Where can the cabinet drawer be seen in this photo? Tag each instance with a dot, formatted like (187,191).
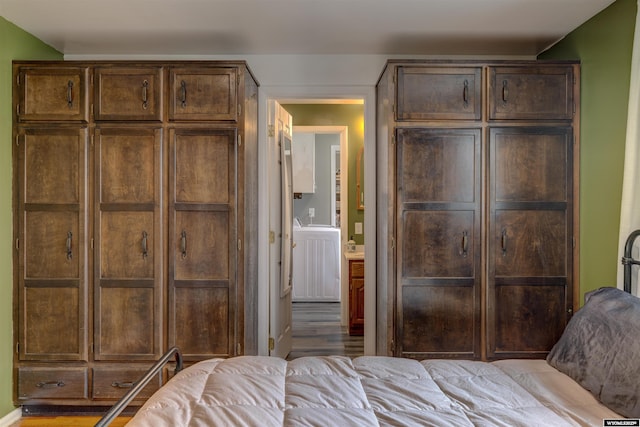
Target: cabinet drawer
(535,93)
(113,383)
(128,93)
(203,94)
(432,93)
(54,94)
(356,269)
(52,383)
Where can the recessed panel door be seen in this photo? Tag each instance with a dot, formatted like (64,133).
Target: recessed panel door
(438,247)
(203,244)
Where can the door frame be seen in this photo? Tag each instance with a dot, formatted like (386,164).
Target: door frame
(312,94)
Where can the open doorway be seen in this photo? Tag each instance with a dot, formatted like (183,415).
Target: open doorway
(320,308)
(287,95)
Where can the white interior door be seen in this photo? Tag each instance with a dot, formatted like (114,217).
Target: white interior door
(280,230)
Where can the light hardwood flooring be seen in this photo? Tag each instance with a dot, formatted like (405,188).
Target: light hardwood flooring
(317,332)
(66,421)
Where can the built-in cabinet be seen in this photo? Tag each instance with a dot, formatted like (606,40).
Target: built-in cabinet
(134,193)
(478,253)
(356,296)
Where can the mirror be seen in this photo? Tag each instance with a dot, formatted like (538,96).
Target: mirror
(360,180)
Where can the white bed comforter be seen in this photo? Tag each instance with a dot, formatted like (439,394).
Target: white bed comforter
(370,391)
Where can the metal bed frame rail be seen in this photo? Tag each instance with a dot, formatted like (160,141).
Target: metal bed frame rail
(116,409)
(628,261)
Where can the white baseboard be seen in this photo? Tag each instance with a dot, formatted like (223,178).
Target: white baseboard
(11,417)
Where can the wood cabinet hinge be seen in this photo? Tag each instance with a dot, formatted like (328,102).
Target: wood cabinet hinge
(18,79)
(17,244)
(18,110)
(92,243)
(393,242)
(91,138)
(271,130)
(272,237)
(238,349)
(17,140)
(239,109)
(239,140)
(239,245)
(573,242)
(393,140)
(272,344)
(18,347)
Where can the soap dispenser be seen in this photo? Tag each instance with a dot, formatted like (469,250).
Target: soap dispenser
(351,245)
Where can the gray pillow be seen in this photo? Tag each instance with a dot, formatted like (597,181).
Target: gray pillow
(600,349)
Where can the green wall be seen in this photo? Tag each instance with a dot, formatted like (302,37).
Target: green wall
(14,44)
(603,45)
(338,115)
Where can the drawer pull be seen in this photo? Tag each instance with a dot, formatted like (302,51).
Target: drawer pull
(50,384)
(183,93)
(503,242)
(505,91)
(70,93)
(125,384)
(145,251)
(465,93)
(183,244)
(145,85)
(465,243)
(69,245)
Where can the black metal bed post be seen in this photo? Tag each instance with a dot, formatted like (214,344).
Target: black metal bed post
(121,404)
(628,261)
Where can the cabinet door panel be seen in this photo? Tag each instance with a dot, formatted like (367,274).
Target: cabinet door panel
(201,249)
(438,244)
(52,165)
(200,325)
(440,321)
(530,239)
(128,93)
(436,165)
(204,167)
(538,309)
(125,321)
(203,255)
(127,245)
(531,164)
(431,93)
(128,257)
(128,173)
(540,92)
(53,94)
(203,93)
(530,243)
(52,325)
(438,240)
(52,277)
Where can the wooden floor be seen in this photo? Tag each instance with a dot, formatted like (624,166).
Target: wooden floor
(317,332)
(75,421)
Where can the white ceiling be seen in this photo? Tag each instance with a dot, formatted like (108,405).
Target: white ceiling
(253,27)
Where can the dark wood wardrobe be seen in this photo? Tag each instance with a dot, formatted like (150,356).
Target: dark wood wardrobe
(477,258)
(135,211)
